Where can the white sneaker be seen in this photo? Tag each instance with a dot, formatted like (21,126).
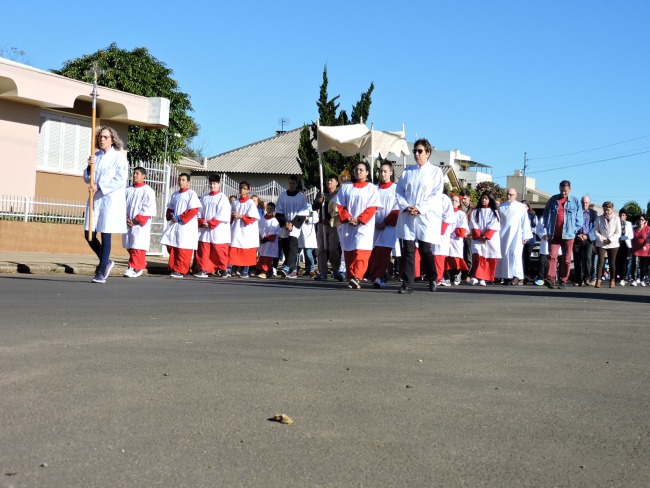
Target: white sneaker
(457,279)
(201,274)
(445,282)
(474,281)
(128,273)
(634,282)
(482,283)
(622,283)
(137,273)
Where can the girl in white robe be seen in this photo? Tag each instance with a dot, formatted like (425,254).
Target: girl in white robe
(385,238)
(440,251)
(455,262)
(486,245)
(244,231)
(357,203)
(269,240)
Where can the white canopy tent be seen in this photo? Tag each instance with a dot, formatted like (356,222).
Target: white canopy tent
(349,140)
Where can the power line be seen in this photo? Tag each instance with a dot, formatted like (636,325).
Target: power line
(588,150)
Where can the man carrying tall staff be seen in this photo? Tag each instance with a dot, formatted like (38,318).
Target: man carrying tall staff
(418,194)
(108,192)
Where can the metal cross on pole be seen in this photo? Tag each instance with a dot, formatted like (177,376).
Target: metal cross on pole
(95,71)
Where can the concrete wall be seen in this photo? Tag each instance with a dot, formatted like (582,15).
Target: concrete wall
(57,185)
(19,124)
(49,238)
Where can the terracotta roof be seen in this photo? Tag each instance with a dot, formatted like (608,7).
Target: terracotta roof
(275,155)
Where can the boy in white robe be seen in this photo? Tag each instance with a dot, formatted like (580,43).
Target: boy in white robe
(441,250)
(486,245)
(455,262)
(182,235)
(291,209)
(307,243)
(244,232)
(214,231)
(385,221)
(140,208)
(269,242)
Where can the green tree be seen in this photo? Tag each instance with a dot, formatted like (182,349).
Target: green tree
(333,162)
(633,210)
(140,73)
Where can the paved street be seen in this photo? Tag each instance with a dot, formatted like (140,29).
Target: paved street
(160,382)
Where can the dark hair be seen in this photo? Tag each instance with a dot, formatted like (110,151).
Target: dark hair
(622,211)
(140,170)
(492,204)
(608,204)
(564,183)
(465,193)
(530,210)
(642,216)
(186,175)
(245,184)
(423,142)
(270,204)
(392,171)
(365,163)
(214,179)
(294,178)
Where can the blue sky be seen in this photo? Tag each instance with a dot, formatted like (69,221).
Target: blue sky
(492,78)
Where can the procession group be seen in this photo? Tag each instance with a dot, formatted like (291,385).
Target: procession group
(359,230)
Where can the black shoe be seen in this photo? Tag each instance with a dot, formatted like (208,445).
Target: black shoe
(561,286)
(406,290)
(432,285)
(549,284)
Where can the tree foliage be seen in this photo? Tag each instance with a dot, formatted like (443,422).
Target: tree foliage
(140,73)
(329,115)
(633,210)
(475,193)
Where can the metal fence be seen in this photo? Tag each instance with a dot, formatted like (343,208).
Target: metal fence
(38,209)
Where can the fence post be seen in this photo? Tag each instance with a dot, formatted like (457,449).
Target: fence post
(26,213)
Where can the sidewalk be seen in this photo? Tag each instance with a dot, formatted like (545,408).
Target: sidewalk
(44,263)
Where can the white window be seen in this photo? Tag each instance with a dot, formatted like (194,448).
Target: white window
(63,143)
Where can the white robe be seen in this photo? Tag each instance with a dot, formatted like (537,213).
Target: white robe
(448,217)
(307,239)
(178,234)
(356,201)
(456,243)
(109,201)
(515,228)
(419,187)
(139,201)
(269,227)
(244,236)
(486,221)
(215,207)
(386,237)
(291,207)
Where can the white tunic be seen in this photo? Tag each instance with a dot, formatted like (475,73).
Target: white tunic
(455,242)
(178,234)
(448,217)
(291,207)
(215,207)
(140,200)
(515,228)
(244,236)
(486,221)
(356,201)
(307,239)
(109,201)
(386,237)
(269,227)
(418,187)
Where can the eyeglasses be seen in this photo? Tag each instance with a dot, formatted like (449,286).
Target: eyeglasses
(512,194)
(105,137)
(418,151)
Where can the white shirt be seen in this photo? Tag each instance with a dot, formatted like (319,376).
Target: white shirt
(386,237)
(178,234)
(109,201)
(291,207)
(215,207)
(419,186)
(140,200)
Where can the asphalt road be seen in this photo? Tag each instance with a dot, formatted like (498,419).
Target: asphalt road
(160,382)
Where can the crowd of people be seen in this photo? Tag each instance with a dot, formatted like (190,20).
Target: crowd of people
(412,231)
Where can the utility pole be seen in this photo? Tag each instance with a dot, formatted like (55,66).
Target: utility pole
(523,193)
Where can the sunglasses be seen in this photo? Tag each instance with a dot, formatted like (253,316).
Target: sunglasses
(418,151)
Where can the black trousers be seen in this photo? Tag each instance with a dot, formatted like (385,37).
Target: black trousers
(582,254)
(289,246)
(408,261)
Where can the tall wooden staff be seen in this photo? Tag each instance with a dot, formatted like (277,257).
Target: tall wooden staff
(95,72)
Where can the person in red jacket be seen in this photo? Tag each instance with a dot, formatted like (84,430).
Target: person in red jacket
(641,251)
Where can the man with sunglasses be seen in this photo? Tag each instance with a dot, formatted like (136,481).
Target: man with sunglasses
(419,197)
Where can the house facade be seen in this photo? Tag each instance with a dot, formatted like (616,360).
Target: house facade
(45,129)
